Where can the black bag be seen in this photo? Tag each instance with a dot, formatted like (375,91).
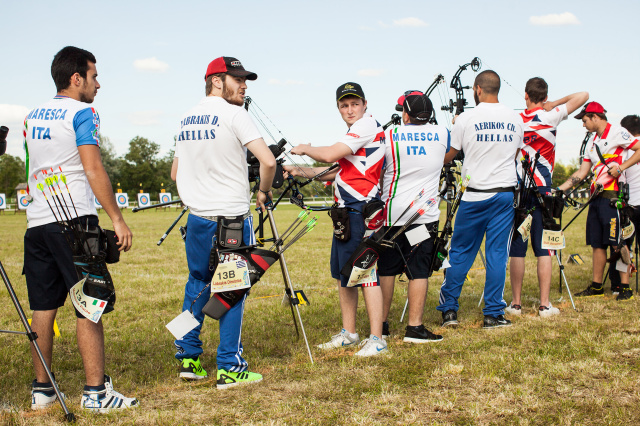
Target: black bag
(373,214)
(110,246)
(258,261)
(341,224)
(365,255)
(229,232)
(439,255)
(521,215)
(98,283)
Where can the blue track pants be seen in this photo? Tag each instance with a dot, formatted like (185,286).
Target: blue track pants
(493,217)
(200,237)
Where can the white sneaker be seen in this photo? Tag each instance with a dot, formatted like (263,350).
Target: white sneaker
(546,312)
(340,340)
(372,346)
(107,399)
(43,396)
(513,309)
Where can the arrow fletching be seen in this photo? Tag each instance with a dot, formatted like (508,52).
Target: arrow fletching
(40,187)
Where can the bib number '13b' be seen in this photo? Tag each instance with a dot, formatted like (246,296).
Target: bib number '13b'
(233,275)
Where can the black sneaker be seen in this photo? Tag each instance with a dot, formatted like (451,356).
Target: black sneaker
(591,291)
(385,330)
(491,322)
(419,334)
(450,318)
(625,294)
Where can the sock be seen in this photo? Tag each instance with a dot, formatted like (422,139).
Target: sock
(353,335)
(95,388)
(44,388)
(596,286)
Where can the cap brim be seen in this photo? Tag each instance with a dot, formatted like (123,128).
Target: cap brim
(349,94)
(580,115)
(248,74)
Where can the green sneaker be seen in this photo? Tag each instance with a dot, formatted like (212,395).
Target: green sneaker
(227,379)
(192,370)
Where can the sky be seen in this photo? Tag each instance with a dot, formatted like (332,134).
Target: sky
(152,56)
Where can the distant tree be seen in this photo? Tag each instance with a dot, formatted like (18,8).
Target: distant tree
(140,166)
(12,172)
(562,172)
(112,163)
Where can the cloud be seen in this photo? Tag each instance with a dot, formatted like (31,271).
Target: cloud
(370,72)
(383,25)
(12,114)
(409,22)
(145,118)
(276,82)
(150,65)
(554,19)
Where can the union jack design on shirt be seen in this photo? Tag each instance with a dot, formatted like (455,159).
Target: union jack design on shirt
(358,178)
(540,128)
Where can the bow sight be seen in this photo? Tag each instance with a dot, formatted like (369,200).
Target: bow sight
(456,84)
(254,165)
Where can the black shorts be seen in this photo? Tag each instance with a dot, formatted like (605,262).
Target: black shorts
(418,257)
(48,266)
(603,224)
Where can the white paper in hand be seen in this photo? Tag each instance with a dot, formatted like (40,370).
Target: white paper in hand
(417,235)
(182,324)
(445,264)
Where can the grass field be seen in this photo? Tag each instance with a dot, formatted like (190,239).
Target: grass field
(579,368)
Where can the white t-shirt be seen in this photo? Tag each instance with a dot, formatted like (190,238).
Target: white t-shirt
(358,179)
(632,177)
(413,160)
(490,136)
(52,134)
(212,176)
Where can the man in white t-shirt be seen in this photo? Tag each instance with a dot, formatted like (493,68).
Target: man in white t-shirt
(605,155)
(632,177)
(541,120)
(62,135)
(414,156)
(360,154)
(490,135)
(210,170)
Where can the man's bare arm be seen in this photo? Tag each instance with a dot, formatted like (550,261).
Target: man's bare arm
(577,177)
(101,187)
(573,102)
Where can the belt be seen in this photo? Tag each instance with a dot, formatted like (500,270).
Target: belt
(502,189)
(609,194)
(215,218)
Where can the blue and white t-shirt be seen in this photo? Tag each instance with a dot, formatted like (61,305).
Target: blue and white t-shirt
(52,134)
(413,159)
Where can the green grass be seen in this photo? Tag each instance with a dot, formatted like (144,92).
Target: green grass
(580,368)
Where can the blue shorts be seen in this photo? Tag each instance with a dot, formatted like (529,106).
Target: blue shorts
(603,224)
(519,247)
(418,257)
(342,250)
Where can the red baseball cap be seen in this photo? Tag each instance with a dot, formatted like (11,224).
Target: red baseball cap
(229,65)
(404,95)
(591,107)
